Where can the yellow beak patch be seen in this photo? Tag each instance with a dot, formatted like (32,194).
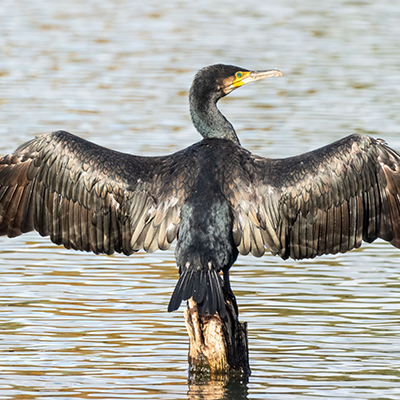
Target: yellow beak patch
(239,76)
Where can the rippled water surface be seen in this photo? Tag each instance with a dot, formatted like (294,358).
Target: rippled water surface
(79,326)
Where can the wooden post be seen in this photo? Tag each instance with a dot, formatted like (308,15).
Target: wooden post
(217,346)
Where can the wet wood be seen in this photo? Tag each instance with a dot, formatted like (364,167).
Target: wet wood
(217,347)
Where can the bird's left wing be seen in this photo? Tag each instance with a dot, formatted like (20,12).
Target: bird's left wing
(91,198)
(322,202)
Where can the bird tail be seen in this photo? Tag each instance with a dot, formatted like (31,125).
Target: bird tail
(204,286)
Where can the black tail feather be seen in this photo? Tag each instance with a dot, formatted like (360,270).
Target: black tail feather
(205,286)
(187,286)
(200,291)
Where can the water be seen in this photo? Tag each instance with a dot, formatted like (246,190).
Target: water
(79,326)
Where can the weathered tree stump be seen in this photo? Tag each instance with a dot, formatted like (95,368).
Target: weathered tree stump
(218,347)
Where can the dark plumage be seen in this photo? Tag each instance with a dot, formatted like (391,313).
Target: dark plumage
(216,197)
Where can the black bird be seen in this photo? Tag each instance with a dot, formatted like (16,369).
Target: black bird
(215,197)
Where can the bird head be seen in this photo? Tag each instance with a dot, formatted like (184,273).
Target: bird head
(219,80)
(209,85)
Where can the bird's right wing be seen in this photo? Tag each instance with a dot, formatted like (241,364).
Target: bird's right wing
(322,202)
(91,198)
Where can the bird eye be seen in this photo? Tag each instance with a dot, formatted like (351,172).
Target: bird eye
(238,74)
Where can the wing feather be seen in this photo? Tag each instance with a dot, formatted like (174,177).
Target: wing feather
(257,244)
(325,201)
(91,198)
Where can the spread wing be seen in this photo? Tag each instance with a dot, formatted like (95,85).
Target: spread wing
(322,202)
(90,198)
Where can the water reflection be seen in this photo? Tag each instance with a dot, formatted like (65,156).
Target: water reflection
(218,390)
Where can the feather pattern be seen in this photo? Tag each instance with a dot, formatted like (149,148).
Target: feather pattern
(94,199)
(91,198)
(321,202)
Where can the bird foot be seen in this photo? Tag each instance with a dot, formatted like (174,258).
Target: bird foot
(230,298)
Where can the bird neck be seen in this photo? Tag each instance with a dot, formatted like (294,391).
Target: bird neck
(209,120)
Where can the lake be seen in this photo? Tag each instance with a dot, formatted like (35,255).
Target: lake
(79,326)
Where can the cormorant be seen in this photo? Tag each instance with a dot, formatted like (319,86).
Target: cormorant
(215,197)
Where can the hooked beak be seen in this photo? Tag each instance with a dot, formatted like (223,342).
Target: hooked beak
(251,76)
